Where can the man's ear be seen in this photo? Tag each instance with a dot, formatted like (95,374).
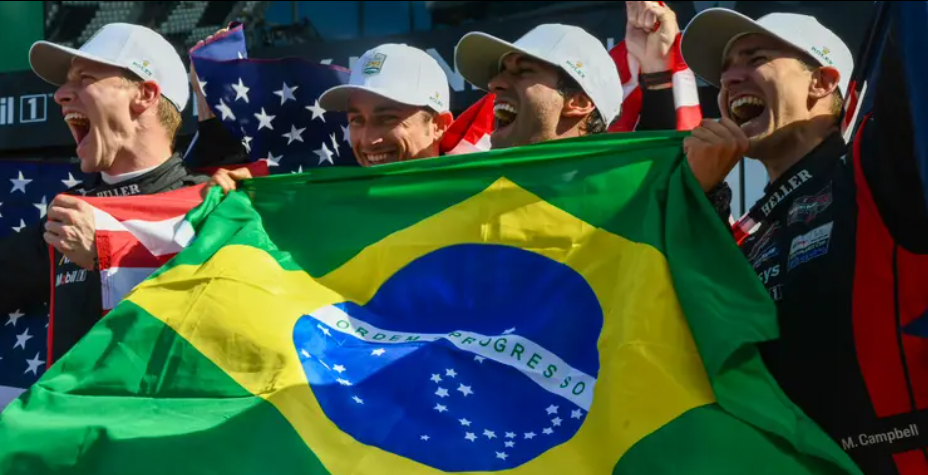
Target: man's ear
(824,82)
(149,93)
(577,105)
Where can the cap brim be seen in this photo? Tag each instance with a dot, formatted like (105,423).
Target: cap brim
(336,98)
(52,62)
(707,37)
(478,55)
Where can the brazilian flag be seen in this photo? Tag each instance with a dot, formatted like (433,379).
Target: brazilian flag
(575,307)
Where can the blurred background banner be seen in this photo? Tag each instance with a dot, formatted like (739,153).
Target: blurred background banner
(23,24)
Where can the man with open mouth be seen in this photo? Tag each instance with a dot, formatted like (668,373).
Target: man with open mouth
(121,94)
(556,82)
(839,238)
(398,104)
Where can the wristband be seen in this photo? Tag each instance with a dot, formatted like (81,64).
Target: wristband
(656,79)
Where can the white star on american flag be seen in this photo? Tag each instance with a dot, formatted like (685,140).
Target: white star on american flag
(14,317)
(20,183)
(317,111)
(286,93)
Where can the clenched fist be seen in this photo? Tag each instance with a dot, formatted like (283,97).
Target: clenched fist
(71,230)
(650,32)
(714,149)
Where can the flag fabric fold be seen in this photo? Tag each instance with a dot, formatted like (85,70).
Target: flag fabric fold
(570,307)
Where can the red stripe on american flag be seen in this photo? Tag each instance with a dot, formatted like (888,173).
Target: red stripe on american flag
(121,249)
(169,205)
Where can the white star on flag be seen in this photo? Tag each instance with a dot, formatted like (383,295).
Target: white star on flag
(509,444)
(71,182)
(325,365)
(436,378)
(440,408)
(552,409)
(450,373)
(346,135)
(510,435)
(343,382)
(489,434)
(501,455)
(273,161)
(529,435)
(225,110)
(338,369)
(576,414)
(286,94)
(240,55)
(202,85)
(471,437)
(295,134)
(34,365)
(325,330)
(42,207)
(20,183)
(241,92)
(22,339)
(464,422)
(479,359)
(442,392)
(556,422)
(465,390)
(424,437)
(547,431)
(358,400)
(324,154)
(316,110)
(335,145)
(265,120)
(378,352)
(14,317)
(298,170)
(22,225)
(509,331)
(246,141)
(305,354)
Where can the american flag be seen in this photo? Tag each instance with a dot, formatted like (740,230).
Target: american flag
(272,107)
(26,188)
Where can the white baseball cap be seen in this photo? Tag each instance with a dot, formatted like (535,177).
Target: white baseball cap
(712,32)
(136,48)
(397,72)
(583,57)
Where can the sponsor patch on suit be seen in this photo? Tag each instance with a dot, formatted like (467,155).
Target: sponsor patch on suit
(809,246)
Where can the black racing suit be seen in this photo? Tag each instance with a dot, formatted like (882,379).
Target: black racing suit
(27,268)
(842,247)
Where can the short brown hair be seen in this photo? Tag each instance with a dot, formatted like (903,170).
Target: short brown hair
(168,115)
